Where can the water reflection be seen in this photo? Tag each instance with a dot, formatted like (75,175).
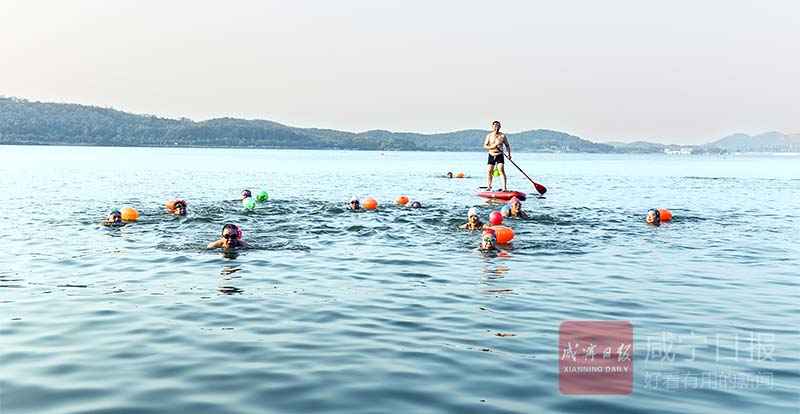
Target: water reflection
(229,290)
(230,254)
(494,273)
(113,231)
(229,270)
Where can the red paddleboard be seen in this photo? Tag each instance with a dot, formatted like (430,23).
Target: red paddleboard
(500,195)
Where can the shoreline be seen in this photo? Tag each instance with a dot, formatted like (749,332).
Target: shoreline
(66,144)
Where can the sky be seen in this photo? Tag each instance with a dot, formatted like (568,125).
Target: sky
(684,72)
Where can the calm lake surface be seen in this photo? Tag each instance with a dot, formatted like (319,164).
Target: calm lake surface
(392,310)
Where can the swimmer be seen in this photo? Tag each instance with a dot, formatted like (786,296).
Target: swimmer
(449,174)
(489,240)
(231,235)
(355,204)
(514,209)
(114,219)
(416,204)
(246,193)
(474,222)
(653,217)
(114,216)
(179,208)
(489,245)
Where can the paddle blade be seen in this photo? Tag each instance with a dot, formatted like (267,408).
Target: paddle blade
(540,188)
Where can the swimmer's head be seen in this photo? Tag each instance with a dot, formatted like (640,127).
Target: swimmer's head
(114,216)
(449,174)
(355,203)
(179,208)
(488,239)
(246,193)
(231,234)
(472,215)
(653,216)
(416,204)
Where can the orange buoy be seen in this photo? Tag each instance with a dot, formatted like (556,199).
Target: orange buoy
(460,175)
(129,214)
(504,234)
(171,204)
(664,214)
(402,200)
(370,204)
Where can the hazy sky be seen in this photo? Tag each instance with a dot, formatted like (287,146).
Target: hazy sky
(667,71)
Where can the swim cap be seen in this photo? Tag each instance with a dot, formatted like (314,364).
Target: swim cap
(174,203)
(490,233)
(513,200)
(471,212)
(113,211)
(354,198)
(246,191)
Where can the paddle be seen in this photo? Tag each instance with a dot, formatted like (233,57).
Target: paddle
(540,188)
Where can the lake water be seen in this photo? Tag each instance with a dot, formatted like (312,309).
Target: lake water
(391,310)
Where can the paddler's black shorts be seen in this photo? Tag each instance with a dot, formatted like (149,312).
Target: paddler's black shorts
(496,159)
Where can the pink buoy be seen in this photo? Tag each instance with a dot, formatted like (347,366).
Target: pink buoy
(495,217)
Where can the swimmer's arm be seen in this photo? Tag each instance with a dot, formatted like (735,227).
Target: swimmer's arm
(215,245)
(245,245)
(464,226)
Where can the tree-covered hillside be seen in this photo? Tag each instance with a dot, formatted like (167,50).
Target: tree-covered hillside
(26,122)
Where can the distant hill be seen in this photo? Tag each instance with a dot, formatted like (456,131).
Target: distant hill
(472,139)
(766,142)
(26,122)
(41,123)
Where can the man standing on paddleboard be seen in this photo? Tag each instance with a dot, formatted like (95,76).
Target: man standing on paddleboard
(494,144)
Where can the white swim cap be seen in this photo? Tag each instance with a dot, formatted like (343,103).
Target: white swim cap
(472,212)
(354,198)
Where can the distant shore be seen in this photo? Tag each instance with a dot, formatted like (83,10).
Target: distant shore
(36,123)
(526,151)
